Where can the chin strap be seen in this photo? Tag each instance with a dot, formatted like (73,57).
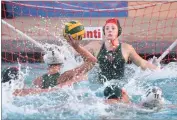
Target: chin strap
(113,44)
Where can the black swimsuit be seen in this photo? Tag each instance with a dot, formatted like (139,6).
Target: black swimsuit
(49,80)
(111,63)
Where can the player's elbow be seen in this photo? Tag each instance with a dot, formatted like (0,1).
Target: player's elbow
(146,65)
(143,65)
(93,60)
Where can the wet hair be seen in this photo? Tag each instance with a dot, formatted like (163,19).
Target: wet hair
(113,92)
(11,73)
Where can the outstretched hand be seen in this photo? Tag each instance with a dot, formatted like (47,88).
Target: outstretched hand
(155,61)
(74,43)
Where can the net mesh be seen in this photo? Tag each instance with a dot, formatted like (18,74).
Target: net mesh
(149,26)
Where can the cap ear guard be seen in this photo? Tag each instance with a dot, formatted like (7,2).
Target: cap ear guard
(119,31)
(104,30)
(119,27)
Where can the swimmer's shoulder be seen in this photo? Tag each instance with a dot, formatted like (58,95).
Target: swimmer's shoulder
(37,82)
(127,46)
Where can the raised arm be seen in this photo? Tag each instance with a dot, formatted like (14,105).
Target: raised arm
(74,75)
(140,61)
(81,50)
(85,53)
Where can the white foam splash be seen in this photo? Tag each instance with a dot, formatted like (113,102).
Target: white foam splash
(81,101)
(8,88)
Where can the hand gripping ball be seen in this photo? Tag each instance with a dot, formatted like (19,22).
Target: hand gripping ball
(75,29)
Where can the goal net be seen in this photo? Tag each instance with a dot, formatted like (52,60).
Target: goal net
(149,26)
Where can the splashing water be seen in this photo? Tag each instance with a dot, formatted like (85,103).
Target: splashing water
(83,101)
(9,87)
(64,48)
(70,60)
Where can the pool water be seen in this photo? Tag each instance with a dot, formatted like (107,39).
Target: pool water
(84,100)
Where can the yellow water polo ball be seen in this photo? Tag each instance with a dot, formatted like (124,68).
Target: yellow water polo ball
(75,29)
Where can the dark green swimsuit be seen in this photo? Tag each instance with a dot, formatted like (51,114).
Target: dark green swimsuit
(111,63)
(49,80)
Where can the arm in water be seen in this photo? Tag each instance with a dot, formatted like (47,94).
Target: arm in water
(66,79)
(30,91)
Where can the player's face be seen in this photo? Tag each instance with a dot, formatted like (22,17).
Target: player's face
(55,66)
(111,31)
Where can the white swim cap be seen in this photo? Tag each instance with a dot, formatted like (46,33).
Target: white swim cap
(53,57)
(153,97)
(153,93)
